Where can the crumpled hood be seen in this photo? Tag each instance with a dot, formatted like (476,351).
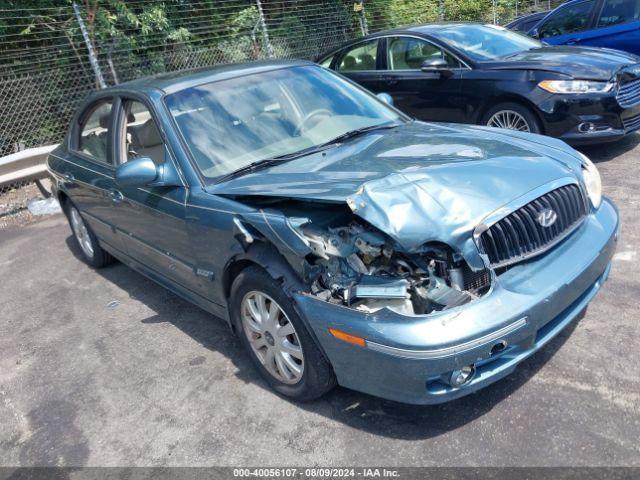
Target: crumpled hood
(419,182)
(574,62)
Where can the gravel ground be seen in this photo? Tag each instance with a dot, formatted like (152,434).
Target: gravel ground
(13,204)
(104,368)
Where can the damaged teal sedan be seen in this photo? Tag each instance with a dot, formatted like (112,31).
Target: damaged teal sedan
(343,241)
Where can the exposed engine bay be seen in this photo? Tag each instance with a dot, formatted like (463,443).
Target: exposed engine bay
(352,263)
(358,267)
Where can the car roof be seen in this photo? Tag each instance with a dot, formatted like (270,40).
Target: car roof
(431,28)
(527,18)
(426,28)
(171,82)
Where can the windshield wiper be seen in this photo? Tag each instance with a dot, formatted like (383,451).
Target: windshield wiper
(360,131)
(267,162)
(250,168)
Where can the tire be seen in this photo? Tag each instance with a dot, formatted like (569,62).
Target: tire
(519,116)
(92,253)
(273,339)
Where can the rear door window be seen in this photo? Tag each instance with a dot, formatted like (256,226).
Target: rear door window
(360,57)
(615,12)
(94,132)
(326,63)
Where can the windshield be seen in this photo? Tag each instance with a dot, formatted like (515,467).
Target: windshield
(233,123)
(487,42)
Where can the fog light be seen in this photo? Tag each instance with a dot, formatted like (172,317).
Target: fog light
(462,376)
(586,127)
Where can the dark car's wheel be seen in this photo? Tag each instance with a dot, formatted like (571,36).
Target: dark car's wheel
(91,250)
(512,116)
(276,338)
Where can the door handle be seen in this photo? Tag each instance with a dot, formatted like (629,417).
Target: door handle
(390,80)
(68,177)
(116,196)
(572,41)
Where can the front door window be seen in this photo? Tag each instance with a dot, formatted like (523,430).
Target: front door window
(571,19)
(407,53)
(142,137)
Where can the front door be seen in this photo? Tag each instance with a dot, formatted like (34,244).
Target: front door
(434,96)
(360,63)
(153,218)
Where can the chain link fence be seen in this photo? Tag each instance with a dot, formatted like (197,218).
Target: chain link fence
(55,52)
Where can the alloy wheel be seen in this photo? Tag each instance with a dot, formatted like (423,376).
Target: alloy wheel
(272,337)
(509,119)
(81,232)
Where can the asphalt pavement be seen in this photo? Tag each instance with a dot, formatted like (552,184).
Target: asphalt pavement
(105,368)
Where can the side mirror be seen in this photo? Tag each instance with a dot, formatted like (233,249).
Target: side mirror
(386,98)
(535,33)
(437,65)
(136,173)
(143,171)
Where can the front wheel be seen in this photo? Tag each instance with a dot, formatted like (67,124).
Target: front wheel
(276,339)
(512,116)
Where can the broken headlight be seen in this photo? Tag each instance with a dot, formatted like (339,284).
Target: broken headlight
(360,267)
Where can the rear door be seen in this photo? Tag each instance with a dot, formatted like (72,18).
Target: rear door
(88,171)
(360,63)
(425,95)
(617,26)
(567,24)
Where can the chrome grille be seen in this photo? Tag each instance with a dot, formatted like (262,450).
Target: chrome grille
(520,235)
(631,123)
(629,94)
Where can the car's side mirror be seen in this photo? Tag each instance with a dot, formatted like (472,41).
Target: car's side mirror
(386,98)
(535,33)
(437,65)
(142,171)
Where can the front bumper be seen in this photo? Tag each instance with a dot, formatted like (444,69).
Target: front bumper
(407,358)
(563,116)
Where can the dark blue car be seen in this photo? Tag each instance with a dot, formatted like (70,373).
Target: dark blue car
(597,23)
(343,241)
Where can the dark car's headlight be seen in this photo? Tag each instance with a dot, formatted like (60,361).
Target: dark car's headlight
(592,181)
(575,86)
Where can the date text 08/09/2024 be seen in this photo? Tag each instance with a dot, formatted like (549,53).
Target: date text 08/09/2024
(315,472)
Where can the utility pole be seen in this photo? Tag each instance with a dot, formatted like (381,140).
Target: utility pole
(358,7)
(92,56)
(265,32)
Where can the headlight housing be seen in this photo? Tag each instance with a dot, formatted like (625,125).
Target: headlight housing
(592,181)
(575,86)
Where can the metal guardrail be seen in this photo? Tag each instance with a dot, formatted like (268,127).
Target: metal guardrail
(25,166)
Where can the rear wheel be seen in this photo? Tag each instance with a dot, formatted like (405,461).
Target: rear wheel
(276,339)
(92,252)
(512,116)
